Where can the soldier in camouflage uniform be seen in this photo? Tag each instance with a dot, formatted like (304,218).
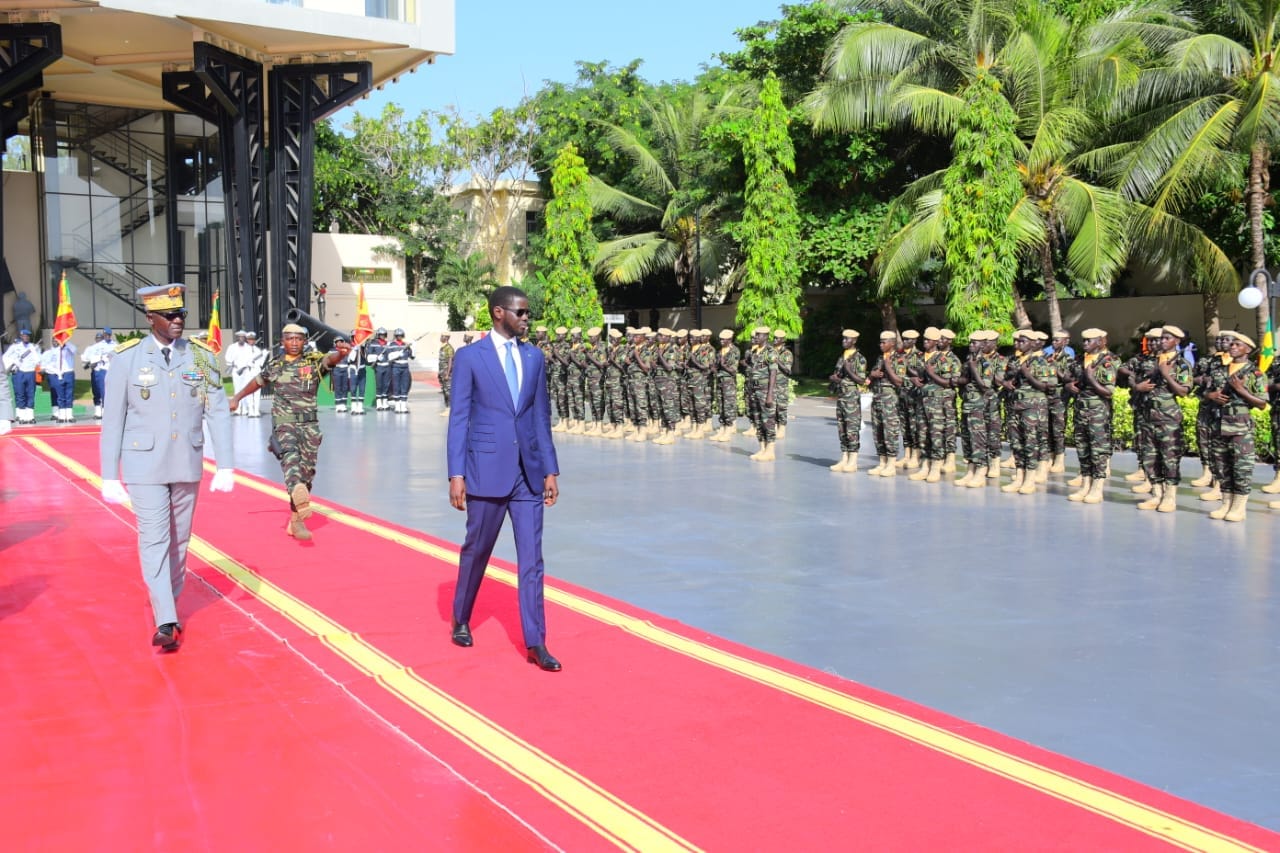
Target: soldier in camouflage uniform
(1209,372)
(909,400)
(445,372)
(574,371)
(1141,365)
(637,373)
(847,379)
(543,343)
(558,388)
(998,407)
(1091,381)
(951,420)
(977,383)
(1169,379)
(762,374)
(684,343)
(666,380)
(594,359)
(786,366)
(932,381)
(701,364)
(886,423)
(726,378)
(1028,378)
(613,398)
(294,377)
(1060,358)
(1233,441)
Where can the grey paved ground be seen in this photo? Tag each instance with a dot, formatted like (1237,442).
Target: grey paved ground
(1144,643)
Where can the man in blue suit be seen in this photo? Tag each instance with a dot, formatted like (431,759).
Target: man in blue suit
(502,461)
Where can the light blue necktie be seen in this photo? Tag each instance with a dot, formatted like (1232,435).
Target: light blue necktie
(513,378)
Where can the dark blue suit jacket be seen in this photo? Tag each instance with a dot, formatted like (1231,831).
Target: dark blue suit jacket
(490,439)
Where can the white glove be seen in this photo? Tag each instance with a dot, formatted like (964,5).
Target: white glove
(223,480)
(5,426)
(113,492)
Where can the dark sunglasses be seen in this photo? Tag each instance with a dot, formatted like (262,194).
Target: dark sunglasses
(519,312)
(171,315)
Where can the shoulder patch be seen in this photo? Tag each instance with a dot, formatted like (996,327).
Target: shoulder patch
(200,343)
(133,342)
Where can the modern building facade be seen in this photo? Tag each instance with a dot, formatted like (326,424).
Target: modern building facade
(172,141)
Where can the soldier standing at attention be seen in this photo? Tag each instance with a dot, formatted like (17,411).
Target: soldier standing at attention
(556,378)
(682,341)
(912,414)
(762,371)
(595,358)
(1028,378)
(1092,384)
(1060,358)
(950,411)
(161,390)
(976,382)
(701,365)
(847,380)
(1141,365)
(1209,372)
(614,396)
(239,357)
(786,366)
(294,378)
(375,355)
(667,383)
(932,382)
(886,424)
(1233,442)
(445,371)
(399,354)
(726,370)
(636,367)
(1169,379)
(575,365)
(21,359)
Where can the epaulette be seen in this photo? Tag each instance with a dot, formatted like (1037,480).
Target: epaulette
(132,342)
(203,344)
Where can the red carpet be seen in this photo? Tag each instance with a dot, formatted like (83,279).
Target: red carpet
(319,703)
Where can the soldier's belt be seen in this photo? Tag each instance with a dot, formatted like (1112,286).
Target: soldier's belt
(303,418)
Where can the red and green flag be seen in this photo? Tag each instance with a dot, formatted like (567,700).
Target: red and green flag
(215,324)
(64,324)
(1268,346)
(364,320)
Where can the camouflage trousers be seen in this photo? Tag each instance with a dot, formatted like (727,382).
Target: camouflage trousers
(752,401)
(699,399)
(446,389)
(573,394)
(951,422)
(782,399)
(686,394)
(1141,437)
(1162,463)
(555,391)
(727,395)
(1057,425)
(668,385)
(910,437)
(1093,435)
(886,424)
(593,392)
(1204,435)
(299,446)
(655,398)
(615,398)
(935,427)
(1233,457)
(849,422)
(1026,426)
(766,426)
(638,398)
(974,437)
(995,426)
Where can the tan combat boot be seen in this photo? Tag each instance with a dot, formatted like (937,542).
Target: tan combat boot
(668,436)
(759,454)
(767,454)
(1273,488)
(1079,494)
(1169,499)
(935,471)
(297,528)
(300,496)
(1095,491)
(1042,471)
(890,469)
(1157,494)
(1077,481)
(1221,512)
(639,434)
(1010,462)
(1274,505)
(1019,474)
(879,466)
(1214,493)
(901,461)
(979,478)
(922,472)
(1205,478)
(1029,481)
(1136,476)
(852,465)
(1059,464)
(914,459)
(969,471)
(993,469)
(1142,488)
(839,466)
(781,432)
(949,464)
(561,426)
(1239,506)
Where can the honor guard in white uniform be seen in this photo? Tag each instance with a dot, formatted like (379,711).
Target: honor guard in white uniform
(60,366)
(21,360)
(97,359)
(257,358)
(239,359)
(161,390)
(399,357)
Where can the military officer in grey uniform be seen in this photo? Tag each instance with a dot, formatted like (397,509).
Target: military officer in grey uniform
(160,391)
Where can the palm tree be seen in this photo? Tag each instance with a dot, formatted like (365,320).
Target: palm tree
(917,64)
(464,283)
(1217,94)
(680,224)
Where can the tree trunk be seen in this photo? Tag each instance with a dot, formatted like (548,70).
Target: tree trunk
(1212,317)
(1021,319)
(1259,156)
(888,316)
(1050,281)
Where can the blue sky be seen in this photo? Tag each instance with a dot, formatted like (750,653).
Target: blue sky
(506,49)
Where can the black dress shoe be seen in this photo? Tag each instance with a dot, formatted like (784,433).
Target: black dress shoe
(461,635)
(168,637)
(543,658)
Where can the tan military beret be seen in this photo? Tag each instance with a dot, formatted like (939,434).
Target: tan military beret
(1248,341)
(978,335)
(1175,331)
(1155,331)
(888,335)
(576,330)
(293,329)
(540,329)
(1029,334)
(631,330)
(947,334)
(644,330)
(1093,332)
(593,332)
(614,333)
(1061,333)
(664,331)
(681,333)
(911,333)
(562,330)
(706,333)
(726,334)
(849,333)
(1042,336)
(650,334)
(779,333)
(760,330)
(932,334)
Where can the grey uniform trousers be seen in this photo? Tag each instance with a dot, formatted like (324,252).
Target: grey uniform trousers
(164,513)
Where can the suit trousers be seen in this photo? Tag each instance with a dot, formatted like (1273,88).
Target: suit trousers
(485,517)
(164,512)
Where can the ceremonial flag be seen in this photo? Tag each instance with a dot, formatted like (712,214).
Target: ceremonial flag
(215,324)
(1268,346)
(364,322)
(64,325)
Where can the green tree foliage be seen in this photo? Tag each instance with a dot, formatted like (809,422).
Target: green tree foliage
(770,227)
(568,247)
(980,190)
(464,285)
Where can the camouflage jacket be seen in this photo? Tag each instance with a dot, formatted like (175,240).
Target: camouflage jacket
(294,384)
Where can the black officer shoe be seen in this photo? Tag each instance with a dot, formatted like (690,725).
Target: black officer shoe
(168,637)
(543,658)
(461,635)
